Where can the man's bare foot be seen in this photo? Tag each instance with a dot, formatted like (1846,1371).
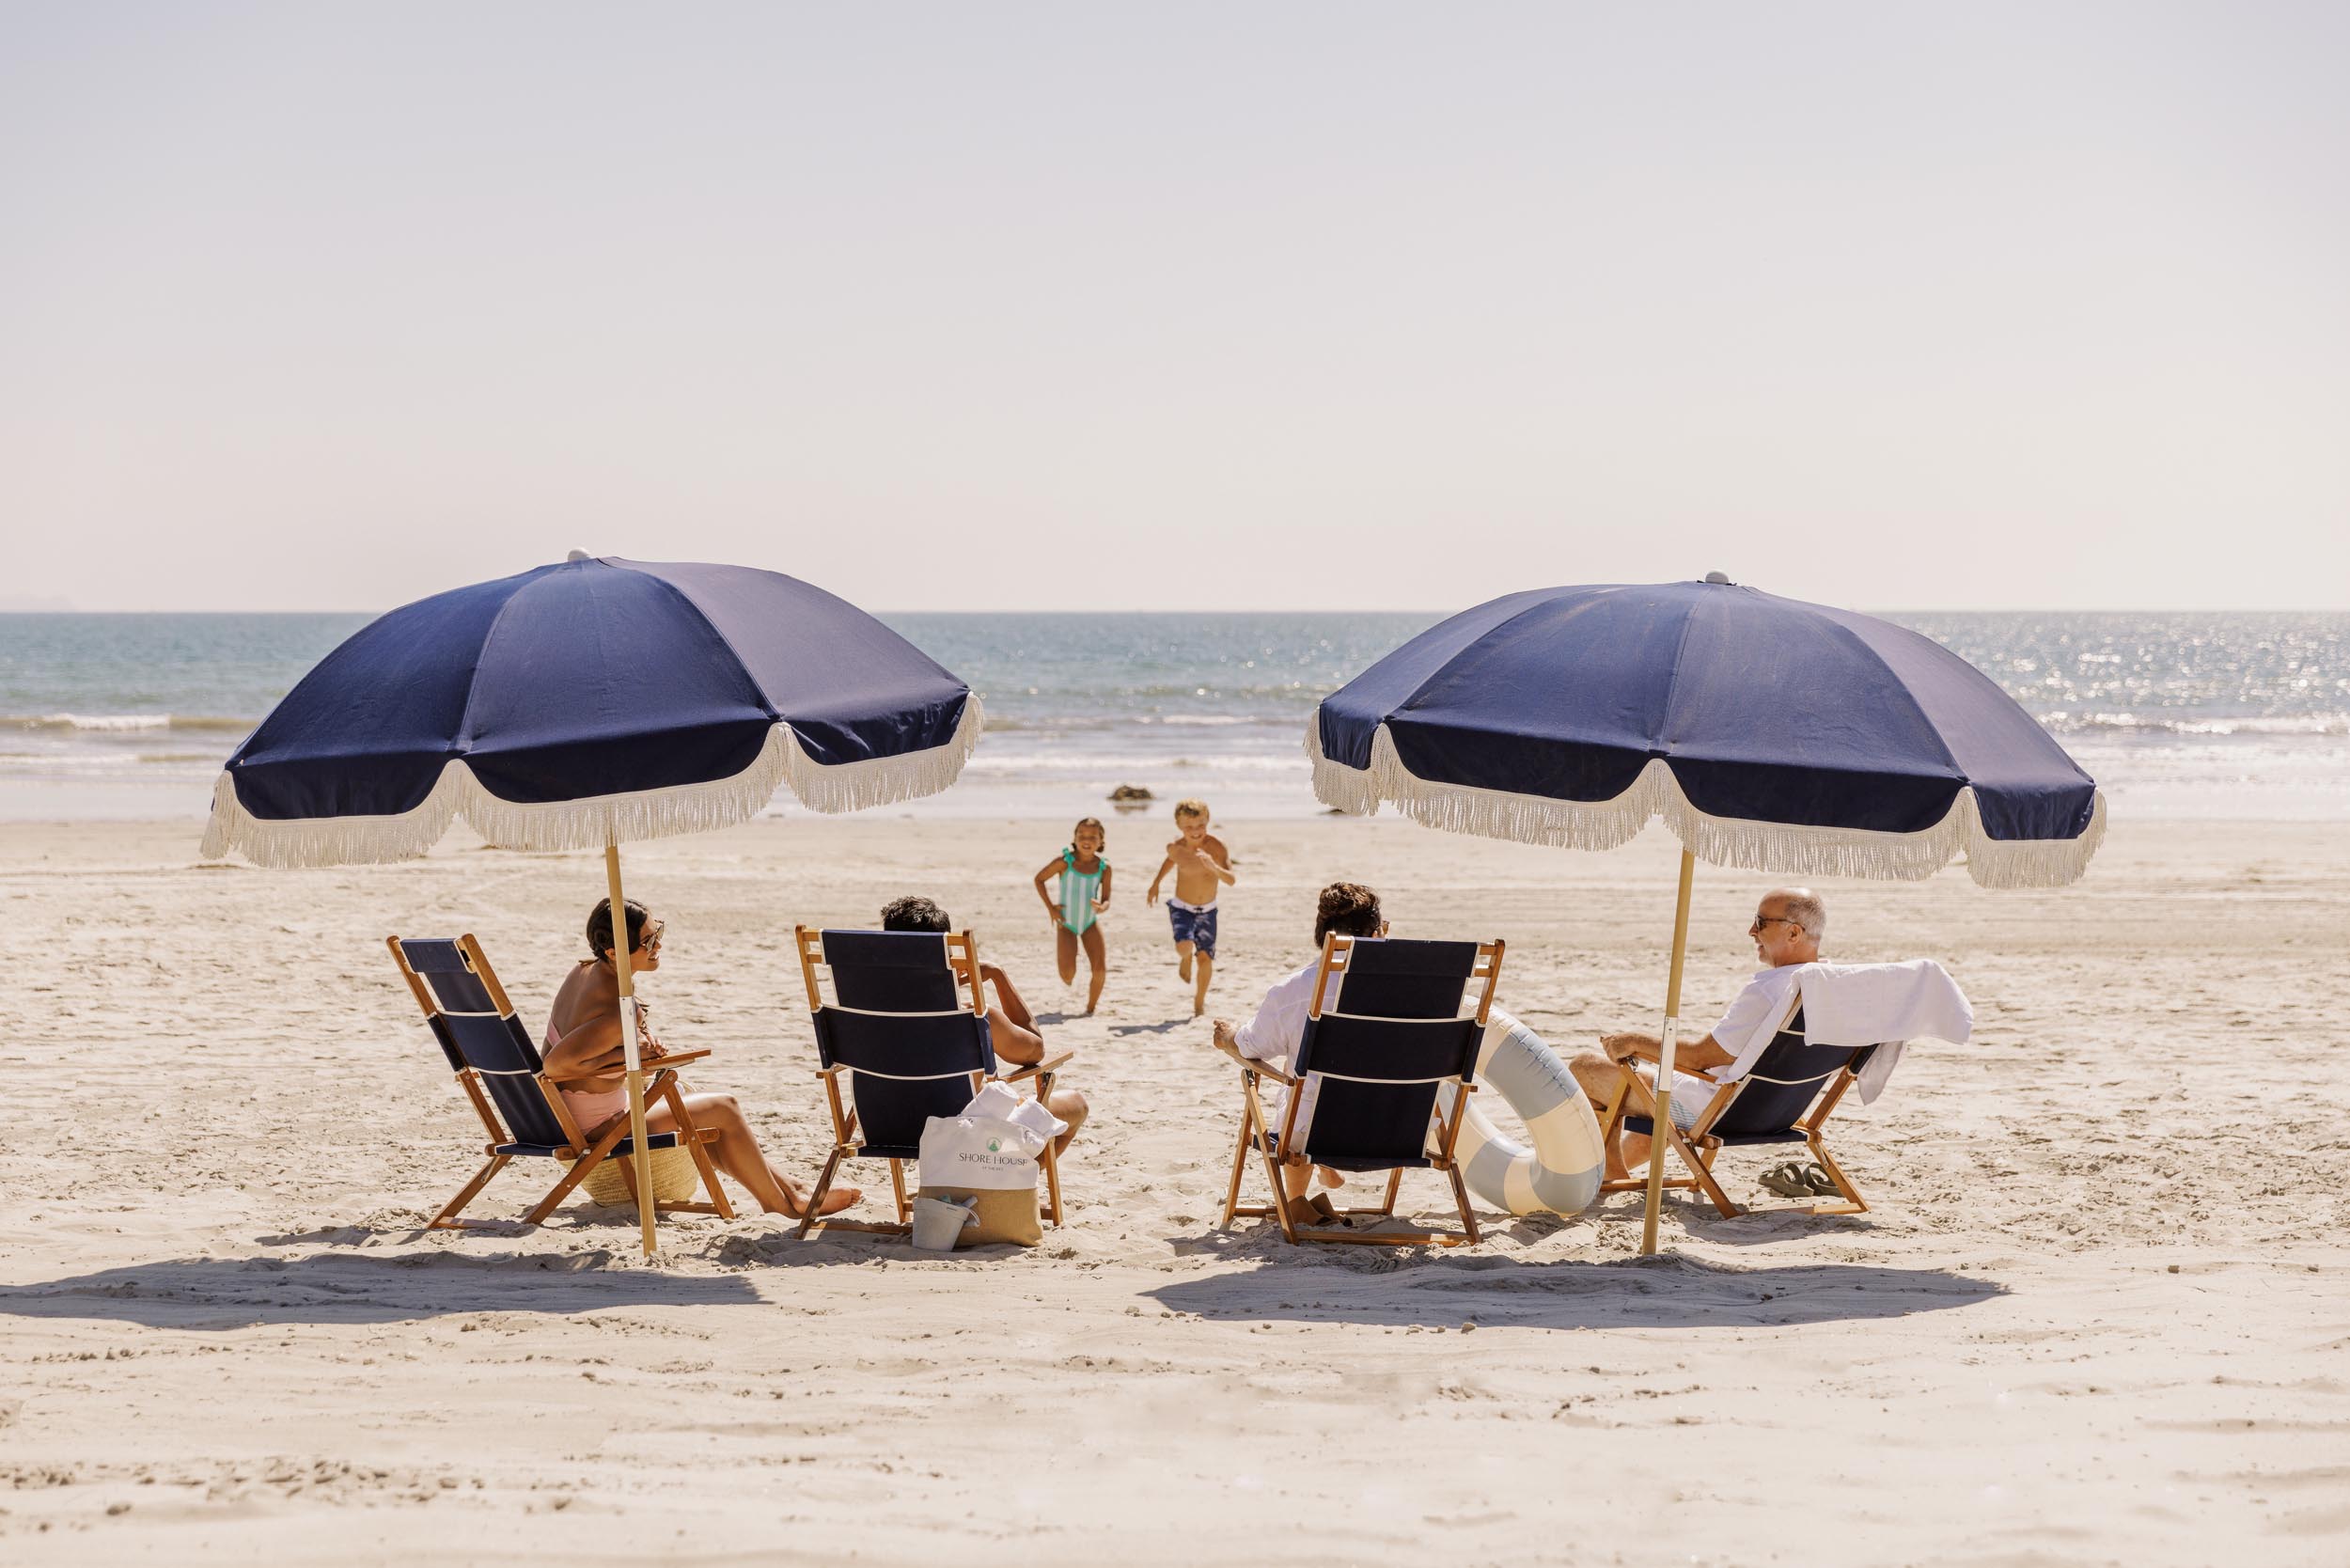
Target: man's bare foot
(1328,1176)
(795,1206)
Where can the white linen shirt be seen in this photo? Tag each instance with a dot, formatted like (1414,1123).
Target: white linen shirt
(1279,1027)
(1760,1006)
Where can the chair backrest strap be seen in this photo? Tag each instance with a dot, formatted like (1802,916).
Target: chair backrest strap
(479,1034)
(1346,1078)
(1783,1084)
(900,971)
(907,1078)
(1369,1084)
(1394,977)
(887,1012)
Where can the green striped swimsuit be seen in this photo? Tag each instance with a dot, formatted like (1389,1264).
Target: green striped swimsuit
(1077,889)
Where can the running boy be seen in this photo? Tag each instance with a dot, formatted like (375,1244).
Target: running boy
(1202,866)
(1084,897)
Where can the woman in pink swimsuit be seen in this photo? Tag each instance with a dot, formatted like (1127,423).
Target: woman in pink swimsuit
(586,1059)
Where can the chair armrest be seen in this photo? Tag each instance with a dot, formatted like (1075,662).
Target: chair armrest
(673,1059)
(1250,1064)
(1050,1064)
(657,1072)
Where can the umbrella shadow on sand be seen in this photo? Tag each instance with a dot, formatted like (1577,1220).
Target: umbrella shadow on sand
(216,1294)
(1667,1292)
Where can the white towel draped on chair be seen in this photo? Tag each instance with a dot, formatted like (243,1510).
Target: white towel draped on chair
(1868,1004)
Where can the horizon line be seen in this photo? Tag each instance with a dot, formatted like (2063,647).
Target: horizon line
(1326,610)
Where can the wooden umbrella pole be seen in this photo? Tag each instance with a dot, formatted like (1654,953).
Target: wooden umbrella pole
(639,1156)
(1662,1120)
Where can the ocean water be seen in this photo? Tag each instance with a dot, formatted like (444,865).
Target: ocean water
(2211,714)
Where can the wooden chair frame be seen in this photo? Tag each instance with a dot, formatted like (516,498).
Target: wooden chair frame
(583,1154)
(962,957)
(1255,1128)
(1698,1148)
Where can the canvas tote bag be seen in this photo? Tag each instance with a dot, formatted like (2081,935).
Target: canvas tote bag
(993,1161)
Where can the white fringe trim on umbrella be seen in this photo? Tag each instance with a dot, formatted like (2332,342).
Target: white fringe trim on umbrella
(593,822)
(1761,846)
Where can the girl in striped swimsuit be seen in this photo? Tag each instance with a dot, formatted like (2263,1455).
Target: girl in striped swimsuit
(1084,895)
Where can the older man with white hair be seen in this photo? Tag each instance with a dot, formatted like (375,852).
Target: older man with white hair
(1788,927)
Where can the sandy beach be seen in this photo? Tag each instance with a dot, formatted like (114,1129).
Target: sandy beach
(2098,1313)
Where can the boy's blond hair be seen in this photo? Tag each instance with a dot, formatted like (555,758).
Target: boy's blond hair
(1191,809)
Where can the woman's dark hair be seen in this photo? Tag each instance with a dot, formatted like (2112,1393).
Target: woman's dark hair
(1348,908)
(914,913)
(600,929)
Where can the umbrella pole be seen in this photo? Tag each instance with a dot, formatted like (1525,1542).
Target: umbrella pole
(1660,1123)
(640,1157)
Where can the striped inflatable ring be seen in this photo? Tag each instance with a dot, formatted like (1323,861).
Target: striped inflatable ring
(1560,1173)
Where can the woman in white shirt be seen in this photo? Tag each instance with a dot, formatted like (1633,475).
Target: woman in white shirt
(1273,1035)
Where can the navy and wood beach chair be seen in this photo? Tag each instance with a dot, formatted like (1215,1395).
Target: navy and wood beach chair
(1784,1098)
(903,1039)
(499,1067)
(1363,1085)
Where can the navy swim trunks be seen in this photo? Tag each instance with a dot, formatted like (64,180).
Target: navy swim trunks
(1194,925)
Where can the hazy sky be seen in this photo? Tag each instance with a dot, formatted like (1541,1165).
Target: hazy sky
(1246,306)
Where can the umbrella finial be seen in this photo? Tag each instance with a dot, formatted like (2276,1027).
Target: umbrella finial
(1719,577)
(578,556)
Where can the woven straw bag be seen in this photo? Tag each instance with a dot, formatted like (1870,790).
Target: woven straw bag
(674,1179)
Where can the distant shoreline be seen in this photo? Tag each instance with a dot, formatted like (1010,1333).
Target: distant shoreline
(62,608)
(131,714)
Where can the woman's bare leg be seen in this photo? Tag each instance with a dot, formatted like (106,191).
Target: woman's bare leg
(1296,1181)
(1071,1108)
(1295,1176)
(1097,961)
(738,1154)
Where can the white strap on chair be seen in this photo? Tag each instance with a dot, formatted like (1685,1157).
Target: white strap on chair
(1392,1082)
(914,1078)
(1376,1018)
(875,1012)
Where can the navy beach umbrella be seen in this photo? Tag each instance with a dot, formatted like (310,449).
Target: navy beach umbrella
(1765,732)
(592,702)
(584,705)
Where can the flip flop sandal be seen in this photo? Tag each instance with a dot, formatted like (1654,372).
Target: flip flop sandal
(1314,1214)
(1321,1204)
(1786,1181)
(1819,1180)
